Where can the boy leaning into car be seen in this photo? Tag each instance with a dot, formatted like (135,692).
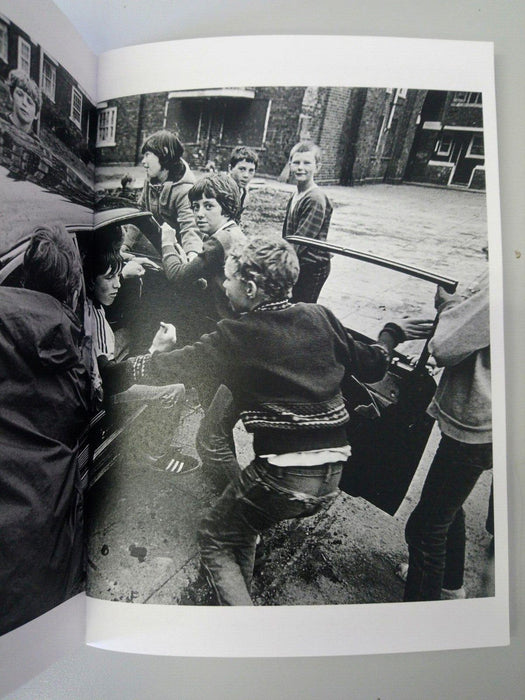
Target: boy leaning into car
(103,266)
(45,405)
(284,364)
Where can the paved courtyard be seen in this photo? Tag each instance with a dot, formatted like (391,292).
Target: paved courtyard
(143,521)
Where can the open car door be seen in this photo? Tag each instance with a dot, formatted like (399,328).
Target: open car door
(389,427)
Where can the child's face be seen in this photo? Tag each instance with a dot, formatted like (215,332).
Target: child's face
(235,289)
(243,172)
(24,109)
(106,287)
(151,164)
(303,166)
(208,215)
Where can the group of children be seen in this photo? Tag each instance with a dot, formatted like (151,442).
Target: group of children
(269,355)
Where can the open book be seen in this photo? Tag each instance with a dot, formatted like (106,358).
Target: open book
(408,136)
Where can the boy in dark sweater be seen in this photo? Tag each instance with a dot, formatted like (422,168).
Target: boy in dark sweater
(284,364)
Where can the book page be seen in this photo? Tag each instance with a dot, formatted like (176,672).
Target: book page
(407,134)
(47,100)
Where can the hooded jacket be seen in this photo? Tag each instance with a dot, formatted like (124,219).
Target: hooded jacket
(461,344)
(44,408)
(169,203)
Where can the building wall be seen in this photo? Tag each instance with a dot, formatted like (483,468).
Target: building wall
(442,151)
(333,110)
(124,150)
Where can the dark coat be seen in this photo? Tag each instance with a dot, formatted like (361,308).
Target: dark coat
(44,408)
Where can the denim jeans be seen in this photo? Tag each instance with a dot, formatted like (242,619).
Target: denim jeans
(435,531)
(214,441)
(259,497)
(312,277)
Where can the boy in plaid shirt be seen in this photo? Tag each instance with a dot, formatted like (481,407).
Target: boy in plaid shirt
(308,214)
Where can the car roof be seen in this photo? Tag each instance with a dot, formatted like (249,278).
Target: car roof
(119,215)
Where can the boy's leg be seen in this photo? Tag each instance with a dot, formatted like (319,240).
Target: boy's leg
(452,476)
(261,496)
(160,422)
(312,277)
(214,441)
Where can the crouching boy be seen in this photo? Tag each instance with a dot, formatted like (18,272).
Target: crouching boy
(284,364)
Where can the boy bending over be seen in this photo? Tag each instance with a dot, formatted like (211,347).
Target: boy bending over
(284,364)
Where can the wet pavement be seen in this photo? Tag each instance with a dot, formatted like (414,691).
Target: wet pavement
(143,521)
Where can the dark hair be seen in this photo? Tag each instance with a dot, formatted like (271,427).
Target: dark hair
(243,153)
(168,149)
(270,262)
(223,188)
(17,78)
(103,255)
(52,264)
(305,147)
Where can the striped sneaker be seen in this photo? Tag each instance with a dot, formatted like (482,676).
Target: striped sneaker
(174,462)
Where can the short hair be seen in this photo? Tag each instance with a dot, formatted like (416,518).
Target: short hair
(268,261)
(17,78)
(52,264)
(305,147)
(167,147)
(243,153)
(223,188)
(103,255)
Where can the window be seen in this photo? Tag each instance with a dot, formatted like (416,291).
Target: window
(467,99)
(76,107)
(444,145)
(106,126)
(49,78)
(24,55)
(476,148)
(3,42)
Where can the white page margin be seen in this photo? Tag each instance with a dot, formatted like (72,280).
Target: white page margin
(323,630)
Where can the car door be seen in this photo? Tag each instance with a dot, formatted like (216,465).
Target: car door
(389,427)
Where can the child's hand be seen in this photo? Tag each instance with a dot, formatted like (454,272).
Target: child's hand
(147,263)
(133,268)
(165,338)
(416,328)
(441,297)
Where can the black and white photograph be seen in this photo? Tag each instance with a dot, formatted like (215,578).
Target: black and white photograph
(47,165)
(389,184)
(246,350)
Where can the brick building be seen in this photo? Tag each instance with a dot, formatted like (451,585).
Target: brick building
(366,134)
(448,147)
(67,110)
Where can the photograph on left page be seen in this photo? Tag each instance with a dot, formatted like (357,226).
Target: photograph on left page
(46,388)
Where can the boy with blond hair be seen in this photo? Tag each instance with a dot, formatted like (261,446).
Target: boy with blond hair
(284,364)
(308,214)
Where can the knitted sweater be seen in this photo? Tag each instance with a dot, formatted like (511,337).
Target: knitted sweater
(461,343)
(310,218)
(284,364)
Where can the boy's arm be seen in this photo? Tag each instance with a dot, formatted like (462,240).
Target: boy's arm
(183,216)
(203,362)
(463,328)
(366,362)
(183,274)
